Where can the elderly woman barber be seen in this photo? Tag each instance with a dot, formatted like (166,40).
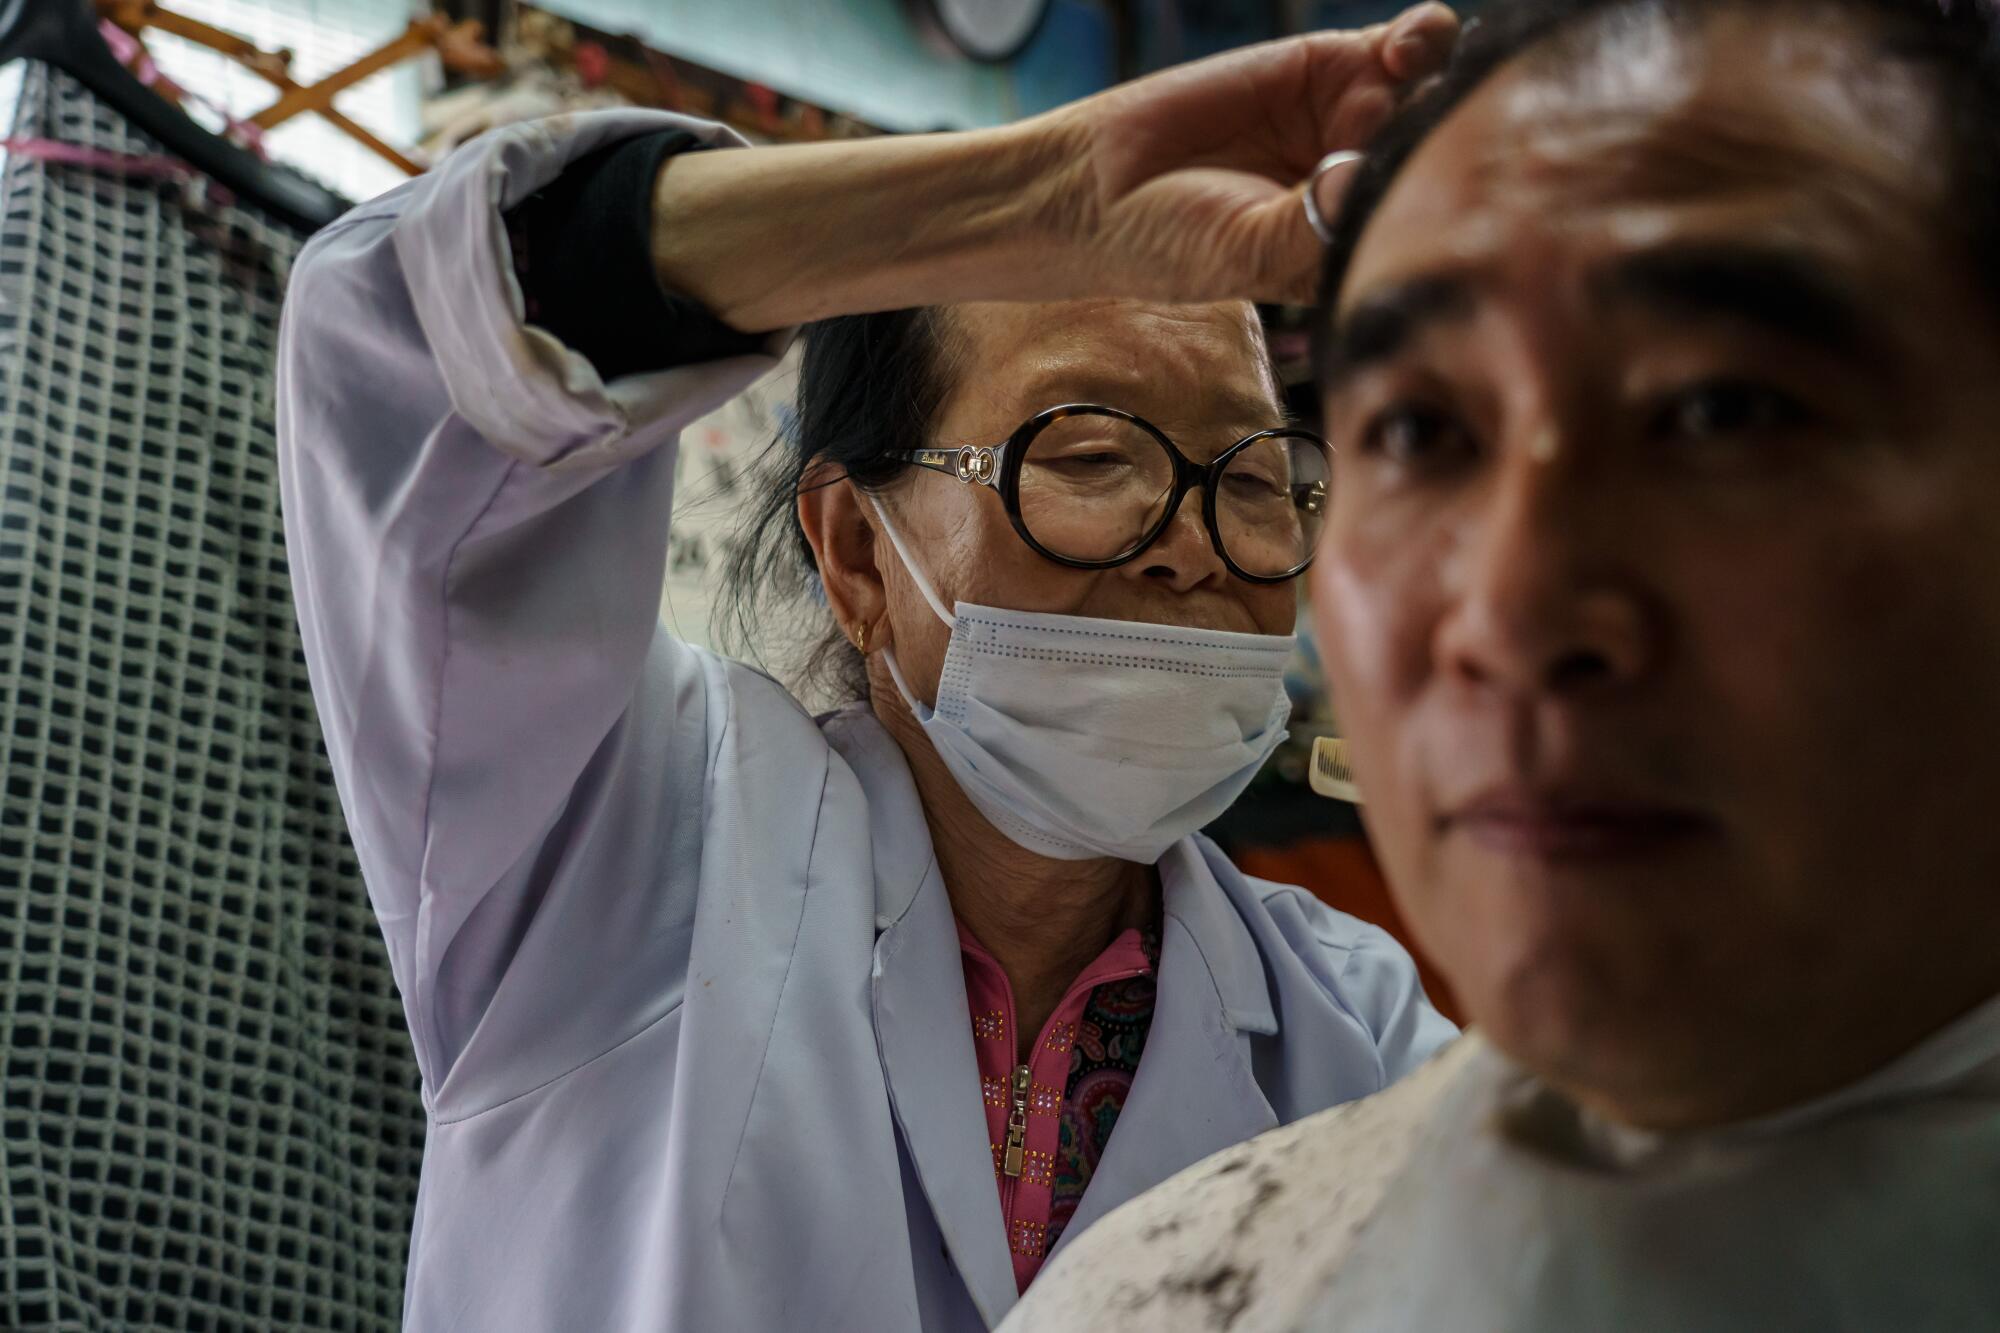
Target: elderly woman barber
(730,1017)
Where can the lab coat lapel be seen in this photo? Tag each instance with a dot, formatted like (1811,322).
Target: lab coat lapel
(925,1031)
(923,1025)
(1194,1093)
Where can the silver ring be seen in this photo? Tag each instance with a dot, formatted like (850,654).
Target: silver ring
(1326,164)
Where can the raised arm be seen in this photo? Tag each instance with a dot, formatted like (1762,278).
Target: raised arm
(1184,186)
(476,523)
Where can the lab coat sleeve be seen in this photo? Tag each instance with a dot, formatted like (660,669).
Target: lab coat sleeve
(477,528)
(1381,979)
(1364,969)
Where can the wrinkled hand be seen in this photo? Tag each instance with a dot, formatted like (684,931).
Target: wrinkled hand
(1189,185)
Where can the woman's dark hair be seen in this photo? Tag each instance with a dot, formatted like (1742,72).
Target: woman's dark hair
(1952,40)
(869,386)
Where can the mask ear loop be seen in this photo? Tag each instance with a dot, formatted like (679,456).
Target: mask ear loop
(916,571)
(921,711)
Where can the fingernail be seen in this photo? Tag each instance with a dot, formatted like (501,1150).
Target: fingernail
(1421,16)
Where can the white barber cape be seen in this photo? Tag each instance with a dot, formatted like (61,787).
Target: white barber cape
(1471,1199)
(678,965)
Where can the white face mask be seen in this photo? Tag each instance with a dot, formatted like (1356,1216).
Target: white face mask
(1080,738)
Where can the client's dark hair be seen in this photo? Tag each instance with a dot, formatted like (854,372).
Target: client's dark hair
(869,385)
(1952,40)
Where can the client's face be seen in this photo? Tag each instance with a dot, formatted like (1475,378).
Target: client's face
(1661,594)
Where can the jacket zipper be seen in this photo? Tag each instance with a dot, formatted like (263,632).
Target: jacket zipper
(1017,1125)
(1013,1153)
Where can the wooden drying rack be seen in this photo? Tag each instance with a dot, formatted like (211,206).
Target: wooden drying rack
(461,46)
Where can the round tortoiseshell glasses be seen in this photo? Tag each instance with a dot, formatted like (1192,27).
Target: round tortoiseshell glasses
(1092,487)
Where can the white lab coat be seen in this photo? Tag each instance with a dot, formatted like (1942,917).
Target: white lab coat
(678,965)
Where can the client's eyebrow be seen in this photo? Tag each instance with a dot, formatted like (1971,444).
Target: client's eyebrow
(1381,325)
(1783,292)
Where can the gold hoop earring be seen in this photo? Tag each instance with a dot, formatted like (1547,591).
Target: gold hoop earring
(861,639)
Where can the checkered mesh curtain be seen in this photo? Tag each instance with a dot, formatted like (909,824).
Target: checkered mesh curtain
(211,1117)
